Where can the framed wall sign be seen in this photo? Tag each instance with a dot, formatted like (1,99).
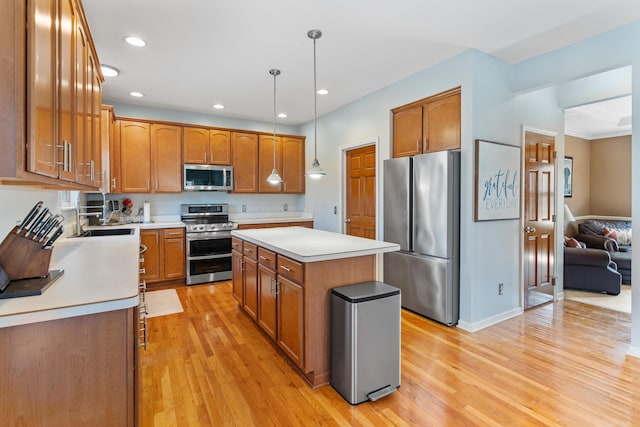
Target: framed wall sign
(568,176)
(497,181)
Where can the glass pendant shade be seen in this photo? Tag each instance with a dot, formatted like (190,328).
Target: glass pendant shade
(316,171)
(274,178)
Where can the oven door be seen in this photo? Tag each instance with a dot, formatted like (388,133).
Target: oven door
(208,269)
(208,244)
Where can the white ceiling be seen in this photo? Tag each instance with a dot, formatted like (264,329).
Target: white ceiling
(604,119)
(202,52)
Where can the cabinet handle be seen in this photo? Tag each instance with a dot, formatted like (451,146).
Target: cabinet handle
(113,183)
(205,157)
(418,145)
(240,265)
(156,184)
(247,250)
(92,167)
(263,257)
(285,268)
(69,157)
(148,184)
(425,142)
(142,270)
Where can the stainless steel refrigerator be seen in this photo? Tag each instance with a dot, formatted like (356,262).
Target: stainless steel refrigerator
(422,215)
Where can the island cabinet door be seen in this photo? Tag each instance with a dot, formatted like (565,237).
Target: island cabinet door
(251,287)
(237,277)
(291,319)
(267,299)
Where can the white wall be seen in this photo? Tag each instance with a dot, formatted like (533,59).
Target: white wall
(16,201)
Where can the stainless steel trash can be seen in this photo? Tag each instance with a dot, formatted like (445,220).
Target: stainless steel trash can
(365,341)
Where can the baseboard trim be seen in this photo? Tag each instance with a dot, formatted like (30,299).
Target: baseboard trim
(634,351)
(490,321)
(603,217)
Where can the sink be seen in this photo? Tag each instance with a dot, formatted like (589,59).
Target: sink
(108,232)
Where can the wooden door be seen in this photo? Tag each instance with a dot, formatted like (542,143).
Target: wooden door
(251,287)
(360,216)
(267,300)
(135,149)
(292,171)
(441,121)
(166,165)
(291,319)
(115,158)
(236,271)
(81,105)
(42,140)
(539,216)
(244,155)
(196,145)
(407,132)
(219,147)
(265,163)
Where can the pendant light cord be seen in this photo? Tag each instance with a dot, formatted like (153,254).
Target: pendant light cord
(274,119)
(315,105)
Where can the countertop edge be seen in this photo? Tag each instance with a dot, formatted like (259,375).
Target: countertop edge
(66,312)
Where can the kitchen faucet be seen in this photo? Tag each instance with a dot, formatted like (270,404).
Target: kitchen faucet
(102,215)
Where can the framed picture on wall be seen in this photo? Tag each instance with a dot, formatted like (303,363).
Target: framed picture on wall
(497,181)
(568,176)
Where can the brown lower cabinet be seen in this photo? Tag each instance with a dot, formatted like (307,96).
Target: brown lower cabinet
(164,260)
(75,371)
(294,302)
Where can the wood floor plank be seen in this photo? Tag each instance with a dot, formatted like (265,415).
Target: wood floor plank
(562,364)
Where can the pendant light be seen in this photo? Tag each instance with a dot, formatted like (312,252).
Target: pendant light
(315,171)
(274,178)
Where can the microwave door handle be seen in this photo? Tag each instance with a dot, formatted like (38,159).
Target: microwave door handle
(224,181)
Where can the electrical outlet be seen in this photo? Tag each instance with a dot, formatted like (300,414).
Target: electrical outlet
(286,207)
(244,208)
(500,288)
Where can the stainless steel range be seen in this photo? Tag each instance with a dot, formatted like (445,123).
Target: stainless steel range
(208,242)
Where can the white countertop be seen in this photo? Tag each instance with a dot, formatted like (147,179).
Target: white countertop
(100,274)
(309,245)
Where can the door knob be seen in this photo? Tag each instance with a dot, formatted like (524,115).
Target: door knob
(348,220)
(530,229)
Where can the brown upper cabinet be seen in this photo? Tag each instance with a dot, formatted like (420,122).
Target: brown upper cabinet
(428,125)
(244,159)
(207,146)
(64,87)
(151,157)
(289,160)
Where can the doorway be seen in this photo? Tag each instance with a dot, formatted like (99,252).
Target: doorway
(360,194)
(539,218)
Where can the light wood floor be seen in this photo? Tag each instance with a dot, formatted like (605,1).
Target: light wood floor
(561,364)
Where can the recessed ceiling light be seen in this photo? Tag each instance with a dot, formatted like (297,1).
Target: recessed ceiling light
(135,41)
(136,94)
(322,91)
(282,115)
(109,71)
(218,106)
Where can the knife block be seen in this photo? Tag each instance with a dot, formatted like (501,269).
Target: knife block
(23,258)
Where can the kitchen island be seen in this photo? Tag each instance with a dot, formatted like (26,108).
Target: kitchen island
(282,278)
(69,355)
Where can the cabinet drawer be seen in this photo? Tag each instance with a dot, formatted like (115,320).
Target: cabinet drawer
(173,232)
(266,257)
(236,244)
(250,250)
(290,268)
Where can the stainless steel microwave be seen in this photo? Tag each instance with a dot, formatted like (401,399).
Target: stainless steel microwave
(208,178)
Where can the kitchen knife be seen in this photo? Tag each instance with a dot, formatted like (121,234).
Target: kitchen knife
(36,222)
(53,238)
(32,214)
(38,228)
(52,223)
